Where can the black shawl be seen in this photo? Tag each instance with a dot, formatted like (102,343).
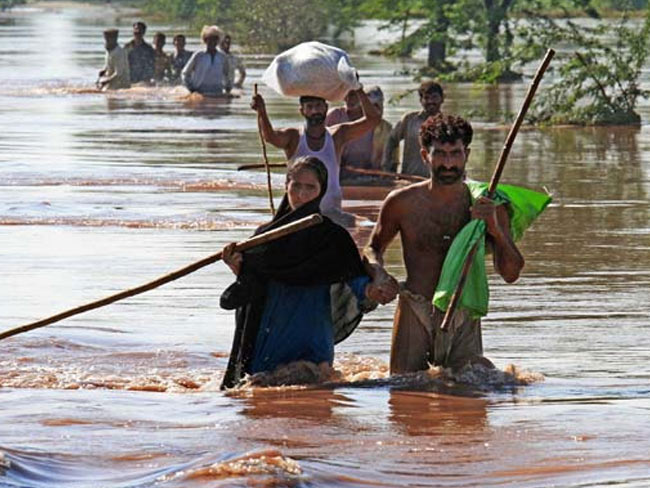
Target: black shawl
(322,254)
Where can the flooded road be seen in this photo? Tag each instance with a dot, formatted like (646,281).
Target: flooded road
(99,193)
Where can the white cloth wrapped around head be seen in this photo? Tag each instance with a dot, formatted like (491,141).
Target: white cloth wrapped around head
(211,31)
(312,69)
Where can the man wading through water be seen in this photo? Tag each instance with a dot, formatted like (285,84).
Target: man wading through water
(325,143)
(428,216)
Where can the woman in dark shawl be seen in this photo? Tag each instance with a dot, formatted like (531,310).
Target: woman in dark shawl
(298,296)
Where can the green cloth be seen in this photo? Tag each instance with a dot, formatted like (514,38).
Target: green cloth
(523,208)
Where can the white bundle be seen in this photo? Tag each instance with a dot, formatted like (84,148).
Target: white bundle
(312,69)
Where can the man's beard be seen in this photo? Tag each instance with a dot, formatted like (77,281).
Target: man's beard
(451,176)
(315,120)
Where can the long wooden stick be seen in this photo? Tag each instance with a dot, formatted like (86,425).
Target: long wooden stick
(260,166)
(272,235)
(360,171)
(503,157)
(385,174)
(266,161)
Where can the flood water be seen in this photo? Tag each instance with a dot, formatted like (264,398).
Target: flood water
(99,193)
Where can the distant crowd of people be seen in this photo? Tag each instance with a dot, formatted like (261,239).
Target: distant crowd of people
(216,70)
(212,72)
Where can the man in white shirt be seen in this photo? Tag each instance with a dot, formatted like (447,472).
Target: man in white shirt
(207,72)
(115,74)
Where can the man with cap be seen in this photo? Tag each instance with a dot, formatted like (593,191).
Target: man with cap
(141,55)
(366,151)
(115,74)
(208,72)
(325,143)
(431,98)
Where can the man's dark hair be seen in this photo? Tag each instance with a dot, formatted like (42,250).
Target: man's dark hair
(445,129)
(309,98)
(430,87)
(179,36)
(141,26)
(111,33)
(160,35)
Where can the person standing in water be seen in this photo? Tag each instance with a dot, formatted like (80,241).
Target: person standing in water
(162,63)
(179,58)
(208,72)
(298,296)
(141,55)
(235,63)
(408,129)
(115,74)
(366,151)
(428,216)
(315,139)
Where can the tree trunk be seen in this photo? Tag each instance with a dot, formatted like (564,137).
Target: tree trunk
(437,54)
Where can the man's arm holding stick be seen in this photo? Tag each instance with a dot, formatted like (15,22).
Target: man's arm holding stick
(455,299)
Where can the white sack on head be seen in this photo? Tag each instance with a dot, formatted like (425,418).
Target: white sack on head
(312,69)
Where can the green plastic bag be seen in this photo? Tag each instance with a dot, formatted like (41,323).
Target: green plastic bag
(524,206)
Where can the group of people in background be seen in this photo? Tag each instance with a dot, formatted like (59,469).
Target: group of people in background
(354,138)
(211,72)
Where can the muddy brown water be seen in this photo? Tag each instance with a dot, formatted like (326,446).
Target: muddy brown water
(99,193)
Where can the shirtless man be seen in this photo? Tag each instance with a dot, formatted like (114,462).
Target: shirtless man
(317,140)
(428,216)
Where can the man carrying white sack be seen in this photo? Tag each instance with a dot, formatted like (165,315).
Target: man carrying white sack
(316,72)
(314,139)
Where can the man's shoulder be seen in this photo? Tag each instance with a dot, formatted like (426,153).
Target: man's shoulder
(411,115)
(119,51)
(403,196)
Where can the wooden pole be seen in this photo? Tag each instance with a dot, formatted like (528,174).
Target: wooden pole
(385,174)
(272,235)
(266,161)
(260,166)
(503,157)
(360,171)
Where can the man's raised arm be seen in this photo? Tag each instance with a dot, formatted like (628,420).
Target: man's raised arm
(282,138)
(349,131)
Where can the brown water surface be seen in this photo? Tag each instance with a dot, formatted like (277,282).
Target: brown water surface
(99,193)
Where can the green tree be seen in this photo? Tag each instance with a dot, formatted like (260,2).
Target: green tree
(597,82)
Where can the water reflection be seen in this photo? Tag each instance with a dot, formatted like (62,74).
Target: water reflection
(429,414)
(312,404)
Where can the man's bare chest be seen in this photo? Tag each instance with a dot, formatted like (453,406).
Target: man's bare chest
(431,228)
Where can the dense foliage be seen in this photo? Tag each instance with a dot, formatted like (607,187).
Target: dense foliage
(597,81)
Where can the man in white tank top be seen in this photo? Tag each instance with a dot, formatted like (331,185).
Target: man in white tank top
(317,140)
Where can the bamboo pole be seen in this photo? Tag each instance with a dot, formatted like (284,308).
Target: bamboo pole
(360,171)
(266,161)
(503,157)
(260,166)
(385,174)
(272,235)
